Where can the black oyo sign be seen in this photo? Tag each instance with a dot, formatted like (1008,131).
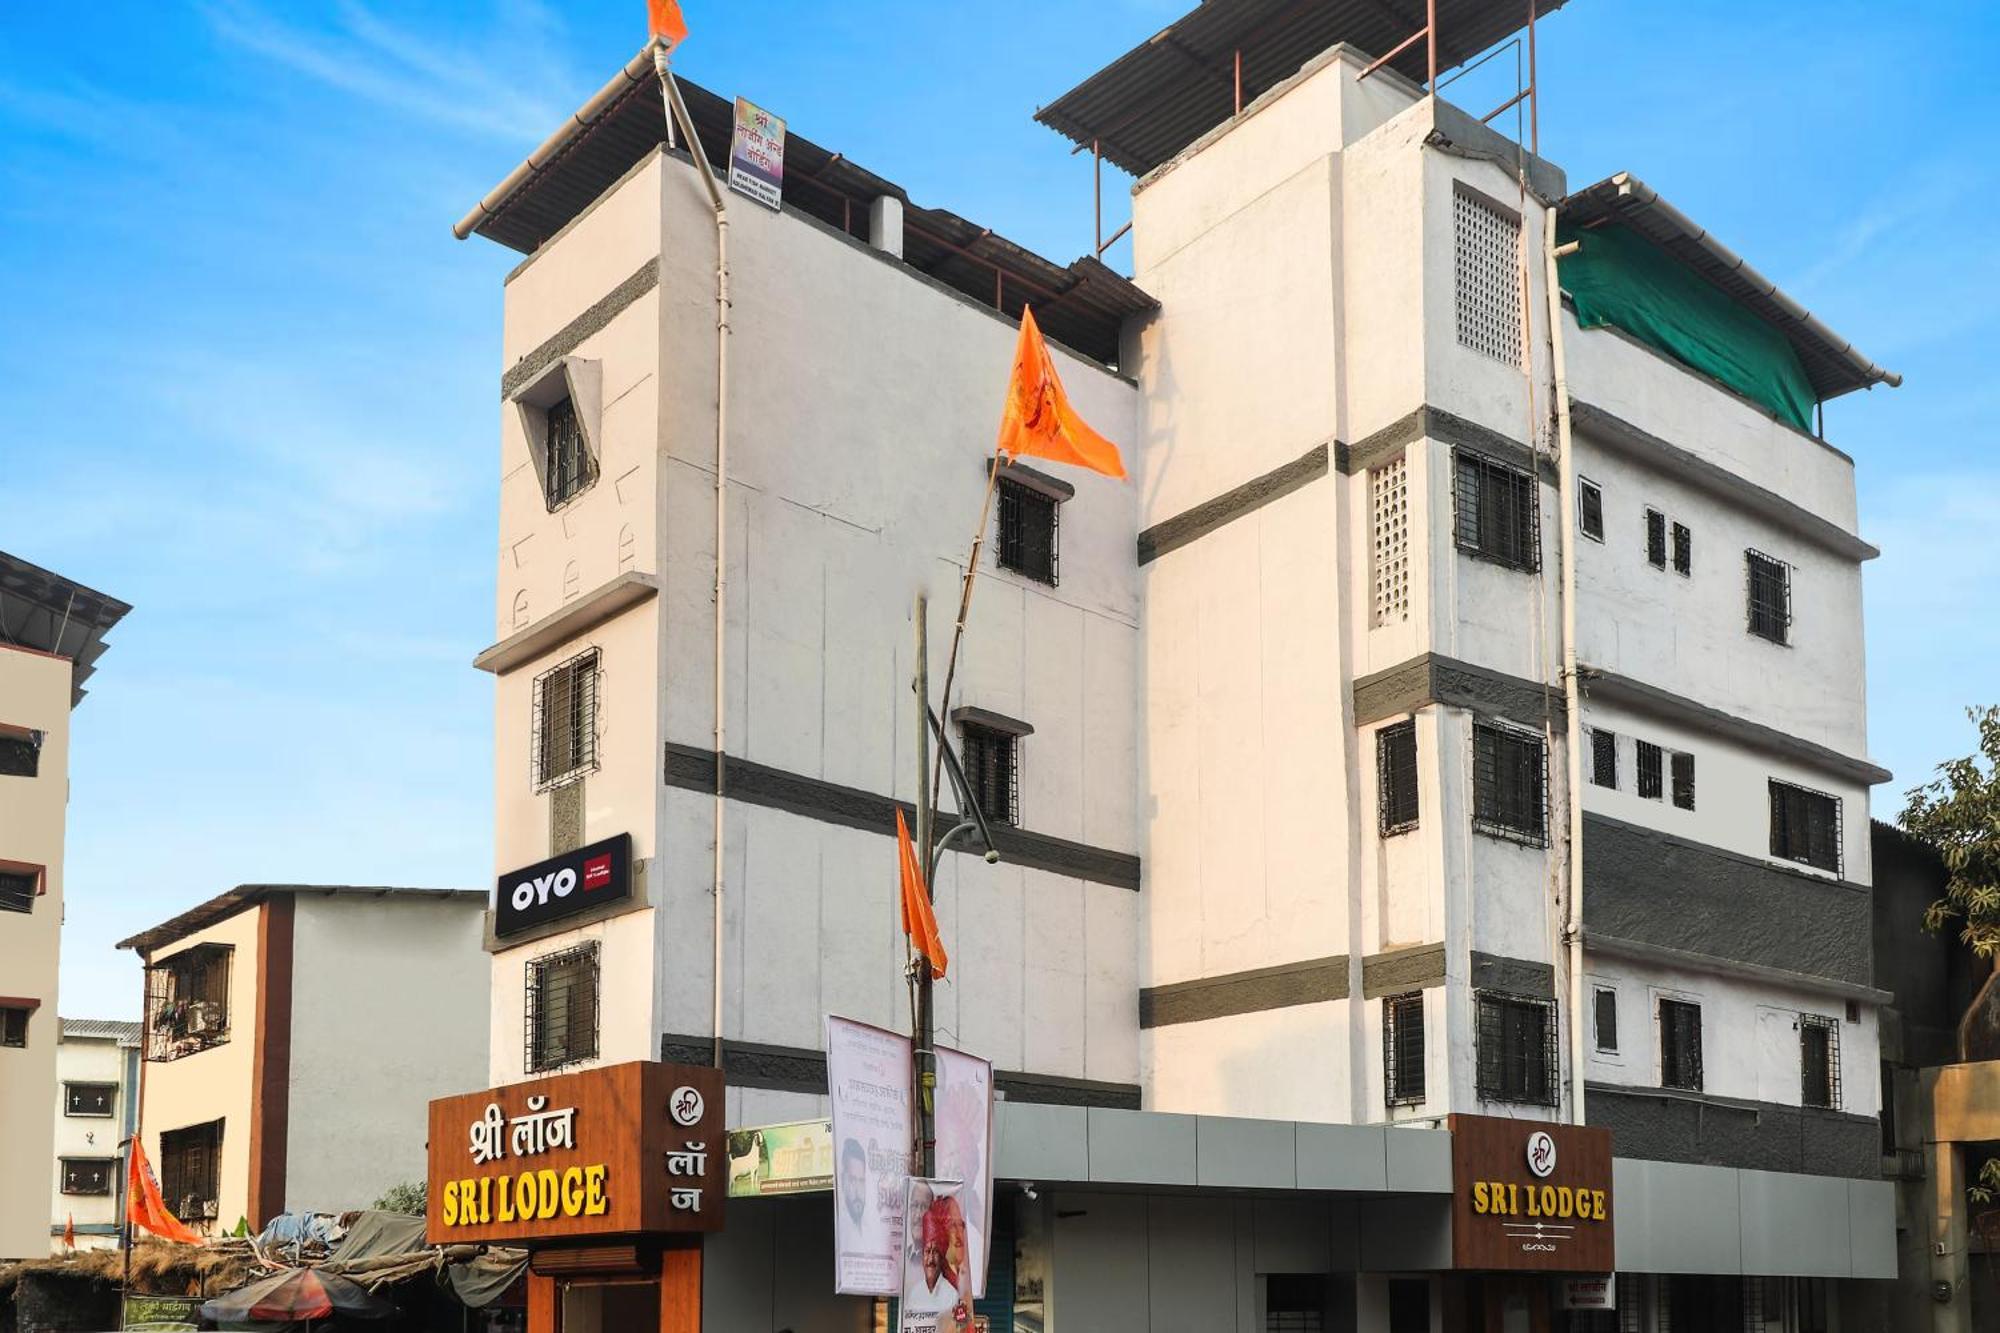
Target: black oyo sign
(563,886)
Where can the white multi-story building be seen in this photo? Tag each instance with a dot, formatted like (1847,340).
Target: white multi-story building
(97,1108)
(1305,827)
(51,635)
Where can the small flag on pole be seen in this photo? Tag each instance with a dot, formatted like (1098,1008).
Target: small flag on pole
(1038,420)
(664,22)
(145,1208)
(69,1233)
(919,921)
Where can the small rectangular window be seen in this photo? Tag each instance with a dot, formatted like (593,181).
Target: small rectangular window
(1029,533)
(89,1099)
(992,769)
(1516,1039)
(1819,1061)
(1683,772)
(1605,1015)
(565,723)
(1805,826)
(1683,550)
(18,889)
(1680,1045)
(20,752)
(561,1022)
(1403,1049)
(1769,594)
(1603,758)
(1656,539)
(1590,508)
(1396,777)
(1649,770)
(191,1171)
(1486,244)
(1509,784)
(87,1175)
(570,466)
(13,1027)
(1496,511)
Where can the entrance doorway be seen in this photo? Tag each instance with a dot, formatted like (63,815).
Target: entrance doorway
(597,1306)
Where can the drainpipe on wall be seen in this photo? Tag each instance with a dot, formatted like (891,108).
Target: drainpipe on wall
(1572,694)
(677,110)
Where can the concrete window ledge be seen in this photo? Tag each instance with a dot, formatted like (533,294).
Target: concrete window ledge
(592,609)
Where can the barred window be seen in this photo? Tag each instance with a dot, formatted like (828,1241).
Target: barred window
(1768,585)
(18,889)
(87,1175)
(1590,508)
(1509,784)
(565,730)
(561,1021)
(1029,533)
(1516,1049)
(1650,756)
(187,1002)
(1396,777)
(1389,561)
(1680,1045)
(13,1026)
(1683,550)
(1683,773)
(570,465)
(1819,1061)
(89,1099)
(1487,291)
(1403,1049)
(1497,513)
(1805,826)
(1603,758)
(992,769)
(1656,539)
(1604,1015)
(191,1170)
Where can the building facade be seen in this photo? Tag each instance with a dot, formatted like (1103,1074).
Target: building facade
(97,1109)
(1460,714)
(51,635)
(293,1036)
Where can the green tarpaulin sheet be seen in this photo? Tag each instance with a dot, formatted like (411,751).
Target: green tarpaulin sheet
(1620,278)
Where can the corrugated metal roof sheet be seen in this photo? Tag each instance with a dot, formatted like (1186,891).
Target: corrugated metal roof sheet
(100,1029)
(1162,95)
(51,614)
(245,896)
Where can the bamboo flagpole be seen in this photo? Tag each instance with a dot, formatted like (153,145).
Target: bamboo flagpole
(971,576)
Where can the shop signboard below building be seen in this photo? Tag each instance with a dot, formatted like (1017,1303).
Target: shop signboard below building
(621,1150)
(1529,1195)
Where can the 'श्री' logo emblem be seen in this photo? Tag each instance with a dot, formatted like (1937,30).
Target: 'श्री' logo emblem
(685,1106)
(1541,1154)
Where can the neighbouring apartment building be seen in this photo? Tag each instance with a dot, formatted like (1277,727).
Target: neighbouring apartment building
(1315,879)
(294,1035)
(96,1109)
(51,635)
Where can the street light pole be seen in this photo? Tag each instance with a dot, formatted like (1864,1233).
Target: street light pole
(926,1060)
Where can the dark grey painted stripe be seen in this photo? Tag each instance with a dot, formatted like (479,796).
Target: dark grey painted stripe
(1667,1125)
(1280,987)
(1515,976)
(1384,444)
(1655,702)
(1206,517)
(1400,970)
(1655,889)
(529,368)
(1610,946)
(1434,679)
(1621,436)
(749,1064)
(691,768)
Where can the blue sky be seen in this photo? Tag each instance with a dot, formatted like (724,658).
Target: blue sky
(252,378)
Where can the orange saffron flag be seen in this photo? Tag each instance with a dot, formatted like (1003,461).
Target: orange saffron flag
(664,22)
(145,1208)
(69,1233)
(919,921)
(1038,420)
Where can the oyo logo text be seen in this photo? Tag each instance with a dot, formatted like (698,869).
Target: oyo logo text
(538,890)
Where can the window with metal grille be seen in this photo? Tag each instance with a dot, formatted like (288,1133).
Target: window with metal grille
(1029,533)
(1683,550)
(1590,508)
(1517,1049)
(191,1170)
(1403,1049)
(570,466)
(1819,1061)
(89,1099)
(1487,291)
(13,1026)
(87,1175)
(1650,774)
(18,889)
(565,728)
(1294,1303)
(1603,758)
(561,1021)
(990,757)
(1656,539)
(187,1002)
(1389,560)
(1496,511)
(1604,1018)
(1683,772)
(20,753)
(1409,1305)
(1396,777)
(1805,826)
(1768,588)
(1631,1293)
(1680,1045)
(1509,784)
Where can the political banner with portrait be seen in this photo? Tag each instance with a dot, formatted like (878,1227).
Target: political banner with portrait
(965,1149)
(868,1082)
(937,1266)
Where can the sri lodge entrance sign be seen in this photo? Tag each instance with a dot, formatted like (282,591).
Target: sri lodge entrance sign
(624,1150)
(1529,1195)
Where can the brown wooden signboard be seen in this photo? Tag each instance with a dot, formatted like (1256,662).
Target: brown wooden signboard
(1529,1195)
(621,1150)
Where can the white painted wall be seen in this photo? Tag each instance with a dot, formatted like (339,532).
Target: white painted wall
(89,1060)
